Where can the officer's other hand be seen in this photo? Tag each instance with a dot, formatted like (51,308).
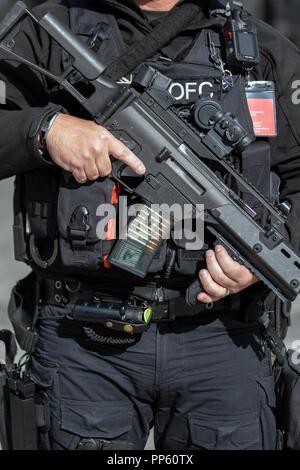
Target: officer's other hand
(223,276)
(83,148)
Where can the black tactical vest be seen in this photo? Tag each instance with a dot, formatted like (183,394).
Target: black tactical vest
(60,217)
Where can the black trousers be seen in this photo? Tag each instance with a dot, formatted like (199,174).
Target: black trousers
(203,383)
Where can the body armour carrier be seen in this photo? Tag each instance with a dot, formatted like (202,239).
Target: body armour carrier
(56,230)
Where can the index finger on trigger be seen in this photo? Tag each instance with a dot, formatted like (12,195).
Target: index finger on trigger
(118,150)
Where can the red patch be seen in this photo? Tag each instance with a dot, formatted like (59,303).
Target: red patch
(263,114)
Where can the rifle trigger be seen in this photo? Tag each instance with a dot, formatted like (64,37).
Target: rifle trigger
(116,170)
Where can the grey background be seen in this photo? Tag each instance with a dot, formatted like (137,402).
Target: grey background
(284,14)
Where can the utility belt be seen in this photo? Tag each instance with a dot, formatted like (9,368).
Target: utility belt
(130,309)
(23,410)
(110,302)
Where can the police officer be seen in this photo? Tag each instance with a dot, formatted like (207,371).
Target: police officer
(202,377)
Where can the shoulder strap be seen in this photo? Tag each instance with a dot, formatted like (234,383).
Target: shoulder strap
(177,19)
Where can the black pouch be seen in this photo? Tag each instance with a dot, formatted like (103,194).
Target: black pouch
(21,310)
(41,199)
(87,218)
(81,216)
(159,259)
(288,400)
(19,221)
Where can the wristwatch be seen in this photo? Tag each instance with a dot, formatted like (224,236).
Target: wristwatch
(44,130)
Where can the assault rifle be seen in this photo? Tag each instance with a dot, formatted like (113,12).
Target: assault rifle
(175,153)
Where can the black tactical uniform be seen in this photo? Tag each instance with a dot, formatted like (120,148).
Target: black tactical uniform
(201,376)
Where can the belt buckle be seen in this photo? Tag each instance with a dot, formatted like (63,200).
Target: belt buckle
(161,312)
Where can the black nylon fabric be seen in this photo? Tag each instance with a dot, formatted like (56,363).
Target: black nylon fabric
(279,62)
(205,383)
(288,396)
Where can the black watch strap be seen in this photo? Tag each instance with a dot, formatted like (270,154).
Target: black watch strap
(45,128)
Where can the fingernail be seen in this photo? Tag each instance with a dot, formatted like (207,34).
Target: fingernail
(203,274)
(209,253)
(218,249)
(141,169)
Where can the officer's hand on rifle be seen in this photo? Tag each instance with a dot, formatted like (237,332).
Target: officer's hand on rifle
(83,148)
(223,276)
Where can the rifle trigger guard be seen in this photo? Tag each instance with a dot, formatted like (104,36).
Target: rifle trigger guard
(117,173)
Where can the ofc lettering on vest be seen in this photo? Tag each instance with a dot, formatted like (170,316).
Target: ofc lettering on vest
(188,92)
(296,94)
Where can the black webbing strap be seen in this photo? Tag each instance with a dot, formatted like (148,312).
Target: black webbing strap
(260,309)
(256,162)
(275,343)
(173,24)
(22,312)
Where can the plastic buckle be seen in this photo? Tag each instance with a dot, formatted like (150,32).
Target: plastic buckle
(79,227)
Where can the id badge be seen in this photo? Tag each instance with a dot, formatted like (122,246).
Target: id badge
(262,107)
